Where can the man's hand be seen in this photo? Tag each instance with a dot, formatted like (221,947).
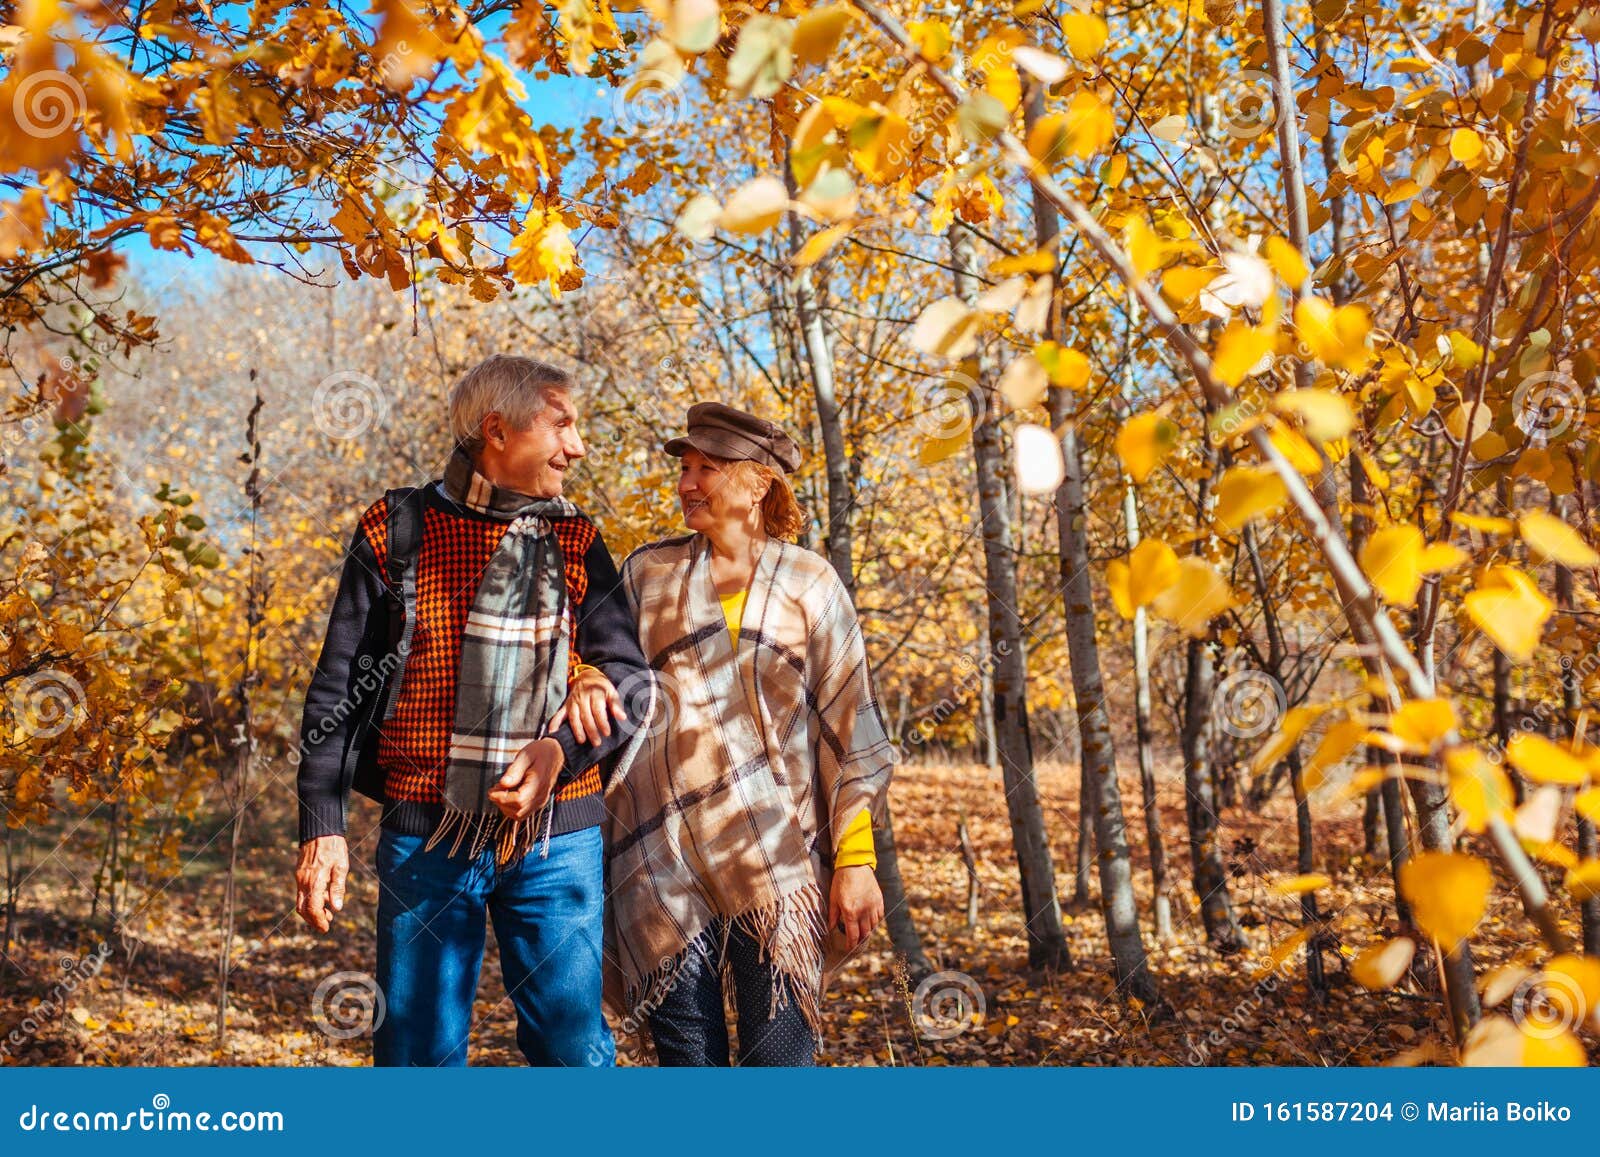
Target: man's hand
(591,702)
(856,904)
(319,880)
(527,783)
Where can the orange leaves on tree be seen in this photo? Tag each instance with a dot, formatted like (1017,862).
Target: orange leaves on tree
(543,250)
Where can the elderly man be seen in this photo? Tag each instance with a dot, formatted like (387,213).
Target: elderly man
(455,639)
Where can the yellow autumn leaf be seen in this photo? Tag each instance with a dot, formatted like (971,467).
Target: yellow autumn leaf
(1323,414)
(1336,335)
(1466,146)
(1392,559)
(818,244)
(1479,788)
(1553,540)
(1499,1042)
(1152,568)
(817,33)
(1380,966)
(1143,442)
(1085,32)
(1337,742)
(1587,804)
(1298,885)
(1448,892)
(1290,729)
(1488,524)
(1583,881)
(1510,609)
(1247,492)
(1198,596)
(1286,262)
(1241,350)
(1065,367)
(755,206)
(1545,762)
(1422,723)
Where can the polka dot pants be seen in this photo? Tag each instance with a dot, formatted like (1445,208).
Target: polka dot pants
(689,1026)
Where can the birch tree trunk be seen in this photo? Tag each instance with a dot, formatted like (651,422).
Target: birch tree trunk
(1047,942)
(841,498)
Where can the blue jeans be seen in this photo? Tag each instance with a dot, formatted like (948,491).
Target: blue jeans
(547,921)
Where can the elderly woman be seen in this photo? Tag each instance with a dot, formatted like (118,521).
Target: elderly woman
(741,837)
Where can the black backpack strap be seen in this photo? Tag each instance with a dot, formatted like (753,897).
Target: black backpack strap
(403,534)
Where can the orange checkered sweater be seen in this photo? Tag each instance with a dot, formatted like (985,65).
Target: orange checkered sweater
(413,743)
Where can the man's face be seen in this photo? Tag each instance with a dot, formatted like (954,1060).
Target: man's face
(533,461)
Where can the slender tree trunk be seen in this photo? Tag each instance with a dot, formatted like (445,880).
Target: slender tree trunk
(1205,851)
(1103,804)
(1144,733)
(841,498)
(1081,888)
(1305,864)
(1572,702)
(1047,942)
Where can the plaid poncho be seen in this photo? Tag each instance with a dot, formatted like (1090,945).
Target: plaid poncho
(513,673)
(754,761)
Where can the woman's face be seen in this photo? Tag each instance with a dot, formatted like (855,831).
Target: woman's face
(711,495)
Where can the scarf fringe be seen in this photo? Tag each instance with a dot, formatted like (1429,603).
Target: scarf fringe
(790,931)
(511,839)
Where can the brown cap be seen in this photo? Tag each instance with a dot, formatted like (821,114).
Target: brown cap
(724,432)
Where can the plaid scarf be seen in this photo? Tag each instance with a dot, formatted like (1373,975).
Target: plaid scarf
(513,673)
(755,759)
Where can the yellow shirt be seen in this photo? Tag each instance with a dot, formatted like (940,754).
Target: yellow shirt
(855,843)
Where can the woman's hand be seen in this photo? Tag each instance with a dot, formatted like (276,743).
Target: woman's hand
(591,701)
(856,905)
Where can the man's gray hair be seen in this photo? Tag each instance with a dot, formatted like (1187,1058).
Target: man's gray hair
(514,387)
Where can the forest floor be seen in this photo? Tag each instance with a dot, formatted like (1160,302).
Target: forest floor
(153,1002)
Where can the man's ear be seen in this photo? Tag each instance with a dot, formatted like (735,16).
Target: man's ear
(493,428)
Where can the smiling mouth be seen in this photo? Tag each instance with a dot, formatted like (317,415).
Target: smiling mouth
(693,504)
